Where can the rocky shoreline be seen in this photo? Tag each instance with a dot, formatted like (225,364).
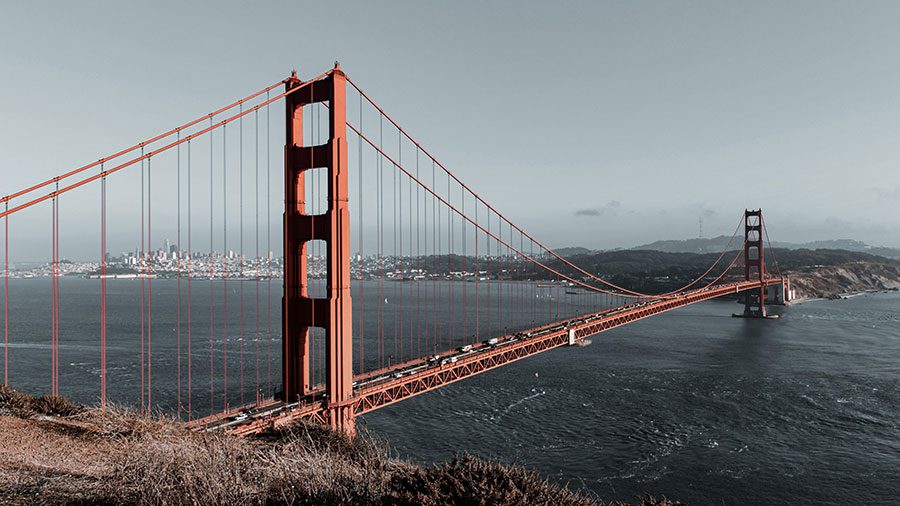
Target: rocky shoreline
(839,281)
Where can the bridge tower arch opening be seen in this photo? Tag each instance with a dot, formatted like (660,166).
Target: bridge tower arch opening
(333,312)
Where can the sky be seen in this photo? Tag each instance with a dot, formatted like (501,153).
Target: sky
(597,124)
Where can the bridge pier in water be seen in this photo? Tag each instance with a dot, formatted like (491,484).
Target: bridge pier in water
(300,312)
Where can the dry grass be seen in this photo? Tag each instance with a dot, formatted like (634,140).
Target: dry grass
(72,455)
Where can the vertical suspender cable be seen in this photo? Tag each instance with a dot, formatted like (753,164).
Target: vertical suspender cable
(510,265)
(359,267)
(190,259)
(381,266)
(241,252)
(58,288)
(56,311)
(477,274)
(558,282)
(465,260)
(435,232)
(178,268)
(102,291)
(403,268)
(418,266)
(411,263)
(399,271)
(268,249)
(533,286)
(435,251)
(212,292)
(496,324)
(6,296)
(143,261)
(502,278)
(450,284)
(520,286)
(498,272)
(149,291)
(487,262)
(53,297)
(256,261)
(395,254)
(225,266)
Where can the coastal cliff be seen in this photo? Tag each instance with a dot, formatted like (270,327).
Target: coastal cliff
(832,281)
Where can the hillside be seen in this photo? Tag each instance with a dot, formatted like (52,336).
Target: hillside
(717,244)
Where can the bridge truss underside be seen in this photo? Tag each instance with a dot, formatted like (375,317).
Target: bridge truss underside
(381,388)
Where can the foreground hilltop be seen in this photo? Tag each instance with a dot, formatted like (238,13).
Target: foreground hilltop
(54,452)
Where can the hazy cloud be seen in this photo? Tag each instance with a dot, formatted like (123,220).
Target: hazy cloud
(599,211)
(888,194)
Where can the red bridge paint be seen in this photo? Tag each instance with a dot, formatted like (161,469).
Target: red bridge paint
(418,377)
(342,395)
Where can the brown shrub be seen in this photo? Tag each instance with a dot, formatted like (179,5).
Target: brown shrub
(472,481)
(55,406)
(14,403)
(18,404)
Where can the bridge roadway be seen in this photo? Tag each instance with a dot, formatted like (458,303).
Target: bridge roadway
(376,389)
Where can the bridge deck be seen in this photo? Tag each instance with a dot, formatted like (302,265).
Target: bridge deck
(381,388)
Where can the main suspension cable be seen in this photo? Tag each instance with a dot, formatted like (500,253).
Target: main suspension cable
(478,198)
(141,144)
(143,156)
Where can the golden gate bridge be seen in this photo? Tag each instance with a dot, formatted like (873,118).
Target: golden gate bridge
(444,286)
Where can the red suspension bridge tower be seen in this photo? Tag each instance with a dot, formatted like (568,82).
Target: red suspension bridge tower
(754,264)
(300,312)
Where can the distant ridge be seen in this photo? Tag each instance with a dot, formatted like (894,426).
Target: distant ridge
(717,244)
(698,245)
(573,251)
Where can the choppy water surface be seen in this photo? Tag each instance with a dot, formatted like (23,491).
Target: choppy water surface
(693,404)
